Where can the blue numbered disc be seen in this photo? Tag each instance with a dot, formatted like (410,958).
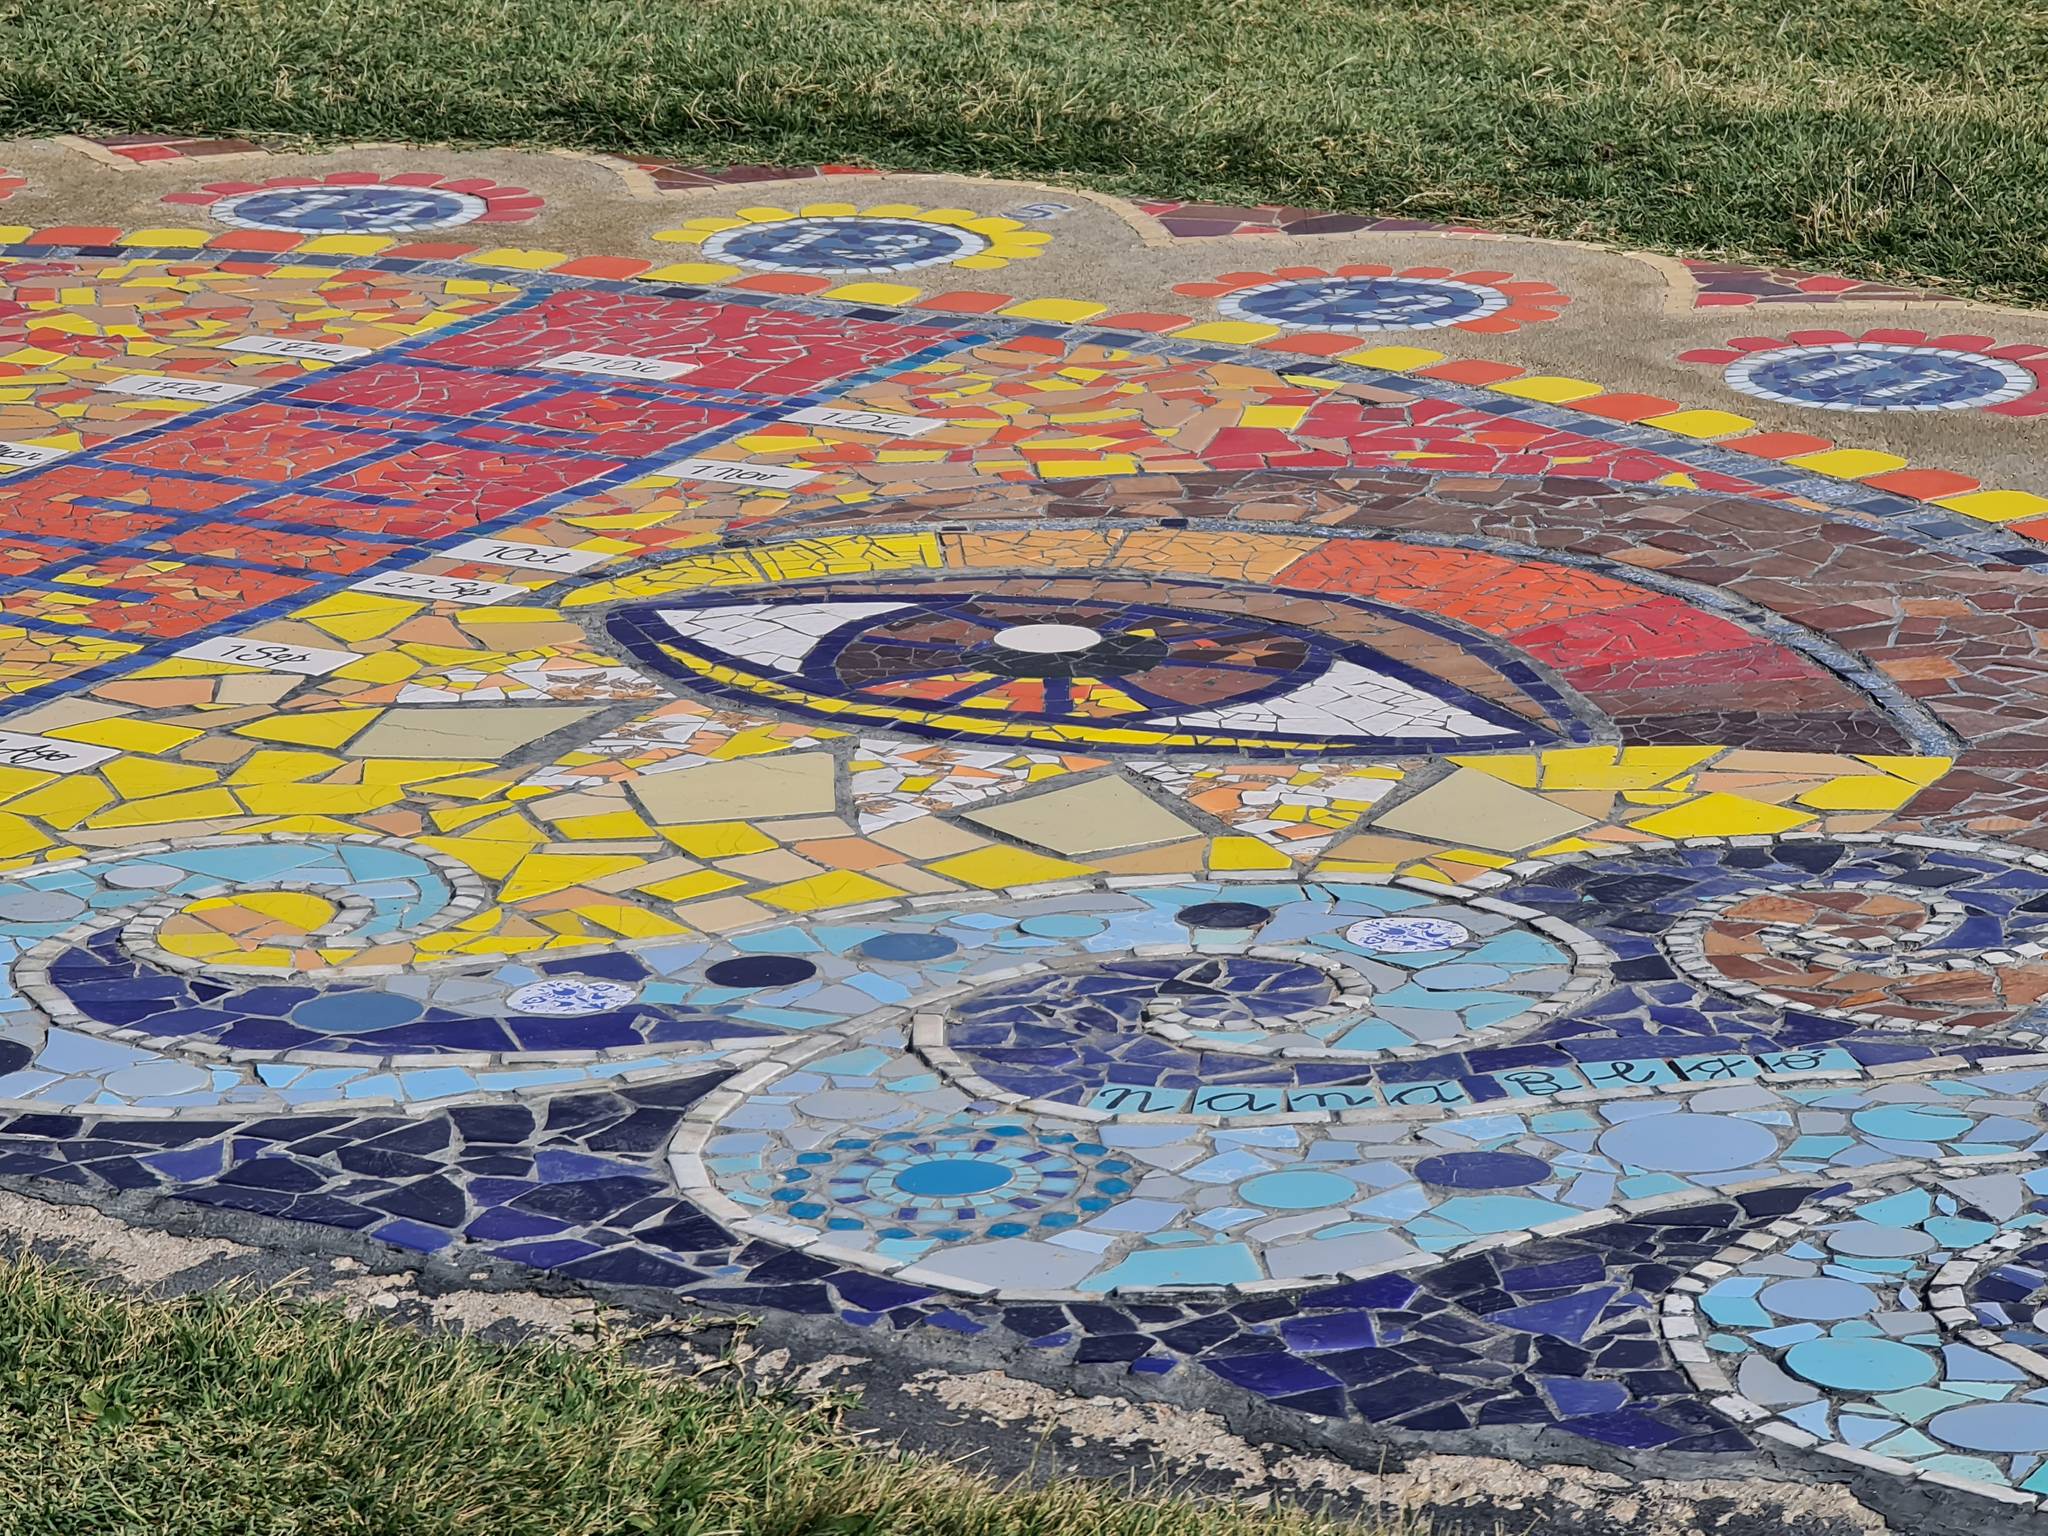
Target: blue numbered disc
(368,210)
(1880,376)
(1364,303)
(844,243)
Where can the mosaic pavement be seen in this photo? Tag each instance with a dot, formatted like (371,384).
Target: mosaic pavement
(934,757)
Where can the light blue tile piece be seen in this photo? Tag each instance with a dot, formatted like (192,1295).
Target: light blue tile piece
(1225,1168)
(1246,1102)
(64,1051)
(1137,1216)
(1719,1068)
(1859,1430)
(1627,1074)
(1326,1099)
(437,1083)
(1792,1063)
(1227,1216)
(1811,1417)
(1438,1091)
(1211,1264)
(1501,1213)
(1538,1082)
(792,940)
(1137,1099)
(1373,1035)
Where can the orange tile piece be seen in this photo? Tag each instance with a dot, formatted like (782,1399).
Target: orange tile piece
(1778,445)
(1625,407)
(1924,484)
(1470,371)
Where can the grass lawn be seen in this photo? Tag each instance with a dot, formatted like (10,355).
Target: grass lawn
(224,1417)
(1889,138)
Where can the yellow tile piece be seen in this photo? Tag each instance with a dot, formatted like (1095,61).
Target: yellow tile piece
(997,868)
(718,839)
(492,859)
(1062,311)
(840,888)
(1996,506)
(1234,332)
(1921,770)
(1721,815)
(1607,768)
(126,735)
(1553,387)
(275,766)
(539,874)
(159,810)
(346,245)
(688,271)
(1701,423)
(137,778)
(704,882)
(1848,463)
(873,293)
(855,556)
(302,909)
(66,802)
(1519,770)
(1281,417)
(1246,853)
(630,922)
(1860,792)
(321,728)
(521,260)
(1074,469)
(18,837)
(188,239)
(1394,359)
(381,667)
(609,825)
(409,771)
(307,826)
(318,799)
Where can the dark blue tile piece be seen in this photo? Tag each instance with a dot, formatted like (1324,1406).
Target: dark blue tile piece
(1270,1375)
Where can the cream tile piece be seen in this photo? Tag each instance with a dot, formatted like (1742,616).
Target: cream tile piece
(468,731)
(1471,809)
(1093,816)
(745,789)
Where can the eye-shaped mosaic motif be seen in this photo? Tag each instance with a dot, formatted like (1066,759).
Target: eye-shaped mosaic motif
(1206,676)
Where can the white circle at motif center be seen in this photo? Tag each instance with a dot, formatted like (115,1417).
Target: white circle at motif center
(571,997)
(1407,935)
(1047,639)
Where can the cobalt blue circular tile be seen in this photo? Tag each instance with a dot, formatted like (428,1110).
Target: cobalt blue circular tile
(1482,1170)
(760,971)
(905,946)
(1224,914)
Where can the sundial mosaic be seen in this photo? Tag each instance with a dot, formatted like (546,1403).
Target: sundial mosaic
(1436,910)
